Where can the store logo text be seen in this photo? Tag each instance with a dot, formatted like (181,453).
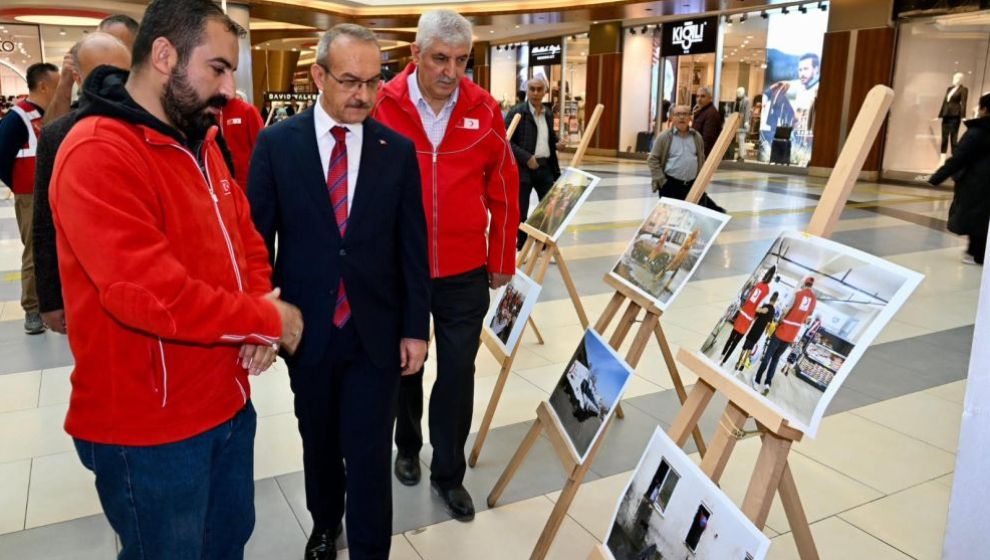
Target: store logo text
(689,34)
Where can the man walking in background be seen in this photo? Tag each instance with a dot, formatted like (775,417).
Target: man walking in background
(676,158)
(707,120)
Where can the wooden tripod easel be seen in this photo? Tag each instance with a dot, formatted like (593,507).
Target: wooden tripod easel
(540,249)
(772,474)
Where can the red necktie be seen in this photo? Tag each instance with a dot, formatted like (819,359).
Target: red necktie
(337,185)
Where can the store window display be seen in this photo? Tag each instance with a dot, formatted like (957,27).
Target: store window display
(952,112)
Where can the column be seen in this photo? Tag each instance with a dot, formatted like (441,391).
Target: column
(482,65)
(604,83)
(242,78)
(272,71)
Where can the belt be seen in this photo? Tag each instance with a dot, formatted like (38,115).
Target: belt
(543,161)
(676,180)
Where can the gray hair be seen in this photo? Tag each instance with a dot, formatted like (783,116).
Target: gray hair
(539,79)
(352,30)
(446,26)
(705,89)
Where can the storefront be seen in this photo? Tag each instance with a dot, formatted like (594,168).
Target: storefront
(20,47)
(940,71)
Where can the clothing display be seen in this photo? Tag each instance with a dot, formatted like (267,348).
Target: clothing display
(952,112)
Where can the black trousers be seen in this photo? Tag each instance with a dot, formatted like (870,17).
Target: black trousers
(675,188)
(458,305)
(730,344)
(345,407)
(977,242)
(950,133)
(539,179)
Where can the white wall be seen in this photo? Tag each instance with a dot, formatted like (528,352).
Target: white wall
(635,111)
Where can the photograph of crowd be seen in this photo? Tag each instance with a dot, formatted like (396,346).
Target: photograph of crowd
(667,249)
(510,310)
(802,320)
(589,390)
(670,509)
(568,193)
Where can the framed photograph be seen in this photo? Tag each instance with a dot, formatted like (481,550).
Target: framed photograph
(670,509)
(587,393)
(558,207)
(667,249)
(802,320)
(510,309)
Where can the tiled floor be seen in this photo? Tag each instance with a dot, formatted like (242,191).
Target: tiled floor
(875,482)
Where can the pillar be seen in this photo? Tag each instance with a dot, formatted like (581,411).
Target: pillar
(272,71)
(243,81)
(482,65)
(604,83)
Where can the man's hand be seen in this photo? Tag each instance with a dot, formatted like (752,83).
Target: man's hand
(532,164)
(562,144)
(292,322)
(497,280)
(257,359)
(412,354)
(69,71)
(54,320)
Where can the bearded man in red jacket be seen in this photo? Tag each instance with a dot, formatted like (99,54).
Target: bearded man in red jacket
(471,197)
(167,289)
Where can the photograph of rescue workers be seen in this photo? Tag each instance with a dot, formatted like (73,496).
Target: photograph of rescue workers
(667,249)
(510,309)
(586,395)
(670,509)
(558,207)
(803,319)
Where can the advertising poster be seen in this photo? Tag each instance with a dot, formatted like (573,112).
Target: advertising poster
(559,205)
(667,249)
(510,310)
(794,51)
(670,509)
(803,319)
(586,395)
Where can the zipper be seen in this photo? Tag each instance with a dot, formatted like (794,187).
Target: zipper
(436,217)
(161,349)
(241,388)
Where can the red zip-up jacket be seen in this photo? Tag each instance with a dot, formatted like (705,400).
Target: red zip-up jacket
(163,275)
(470,175)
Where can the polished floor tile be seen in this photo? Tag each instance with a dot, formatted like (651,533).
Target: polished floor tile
(14,479)
(912,520)
(836,539)
(61,490)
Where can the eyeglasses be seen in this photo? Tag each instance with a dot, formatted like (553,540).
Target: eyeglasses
(681,115)
(353,84)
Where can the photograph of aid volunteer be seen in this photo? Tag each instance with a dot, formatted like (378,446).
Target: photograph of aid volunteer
(667,249)
(558,207)
(670,509)
(510,310)
(587,393)
(803,319)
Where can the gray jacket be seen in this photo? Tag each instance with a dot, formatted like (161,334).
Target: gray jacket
(657,160)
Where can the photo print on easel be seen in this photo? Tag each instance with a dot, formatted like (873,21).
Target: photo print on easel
(803,319)
(510,310)
(667,249)
(588,392)
(558,207)
(670,509)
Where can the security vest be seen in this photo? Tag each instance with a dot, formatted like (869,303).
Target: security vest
(23,172)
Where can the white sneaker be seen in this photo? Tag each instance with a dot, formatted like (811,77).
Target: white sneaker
(968,259)
(756,386)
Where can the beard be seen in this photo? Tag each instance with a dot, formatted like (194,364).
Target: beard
(185,108)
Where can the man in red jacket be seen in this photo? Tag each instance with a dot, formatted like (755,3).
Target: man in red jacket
(471,198)
(167,290)
(240,123)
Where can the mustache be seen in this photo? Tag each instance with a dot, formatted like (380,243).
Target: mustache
(217,101)
(359,105)
(447,81)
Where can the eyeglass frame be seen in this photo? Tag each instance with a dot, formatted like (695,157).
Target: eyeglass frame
(352,85)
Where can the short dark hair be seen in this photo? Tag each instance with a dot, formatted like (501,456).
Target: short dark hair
(182,22)
(127,21)
(815,61)
(38,72)
(985,101)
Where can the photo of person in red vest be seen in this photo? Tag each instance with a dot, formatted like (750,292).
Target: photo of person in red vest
(747,311)
(787,332)
(19,132)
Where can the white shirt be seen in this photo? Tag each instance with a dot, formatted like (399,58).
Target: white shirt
(542,133)
(434,124)
(682,160)
(324,140)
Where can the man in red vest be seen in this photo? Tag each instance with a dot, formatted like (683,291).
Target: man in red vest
(240,123)
(19,131)
(786,333)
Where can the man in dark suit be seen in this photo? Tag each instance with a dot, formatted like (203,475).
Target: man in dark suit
(342,193)
(535,146)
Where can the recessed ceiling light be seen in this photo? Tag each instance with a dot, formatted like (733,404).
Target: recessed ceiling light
(491,31)
(594,23)
(517,26)
(68,21)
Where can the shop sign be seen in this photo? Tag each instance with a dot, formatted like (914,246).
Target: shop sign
(544,53)
(289,96)
(695,36)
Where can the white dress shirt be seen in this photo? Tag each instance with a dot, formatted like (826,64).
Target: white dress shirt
(434,124)
(542,133)
(324,140)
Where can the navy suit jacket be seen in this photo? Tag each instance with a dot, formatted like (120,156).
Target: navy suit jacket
(383,256)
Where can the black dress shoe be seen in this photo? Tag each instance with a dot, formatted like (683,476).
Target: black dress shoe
(407,470)
(322,544)
(457,502)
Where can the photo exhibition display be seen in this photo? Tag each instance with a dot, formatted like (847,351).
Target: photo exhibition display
(588,391)
(558,207)
(510,309)
(670,509)
(667,249)
(802,320)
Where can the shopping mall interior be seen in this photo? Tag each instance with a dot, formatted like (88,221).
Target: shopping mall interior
(875,477)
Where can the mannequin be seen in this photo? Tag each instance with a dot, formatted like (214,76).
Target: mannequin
(952,112)
(745,109)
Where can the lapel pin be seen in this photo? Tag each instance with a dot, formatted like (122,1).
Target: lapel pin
(382,142)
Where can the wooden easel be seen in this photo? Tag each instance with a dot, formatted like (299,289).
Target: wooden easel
(650,321)
(772,473)
(539,249)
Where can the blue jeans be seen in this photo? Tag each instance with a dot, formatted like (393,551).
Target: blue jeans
(188,500)
(771,358)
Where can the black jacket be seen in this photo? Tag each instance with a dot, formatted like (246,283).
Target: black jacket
(969,166)
(954,107)
(708,121)
(523,140)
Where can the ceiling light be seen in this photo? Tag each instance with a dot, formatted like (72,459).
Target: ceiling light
(517,26)
(743,18)
(61,32)
(802,9)
(491,31)
(632,31)
(594,23)
(784,10)
(764,15)
(67,21)
(822,6)
(644,30)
